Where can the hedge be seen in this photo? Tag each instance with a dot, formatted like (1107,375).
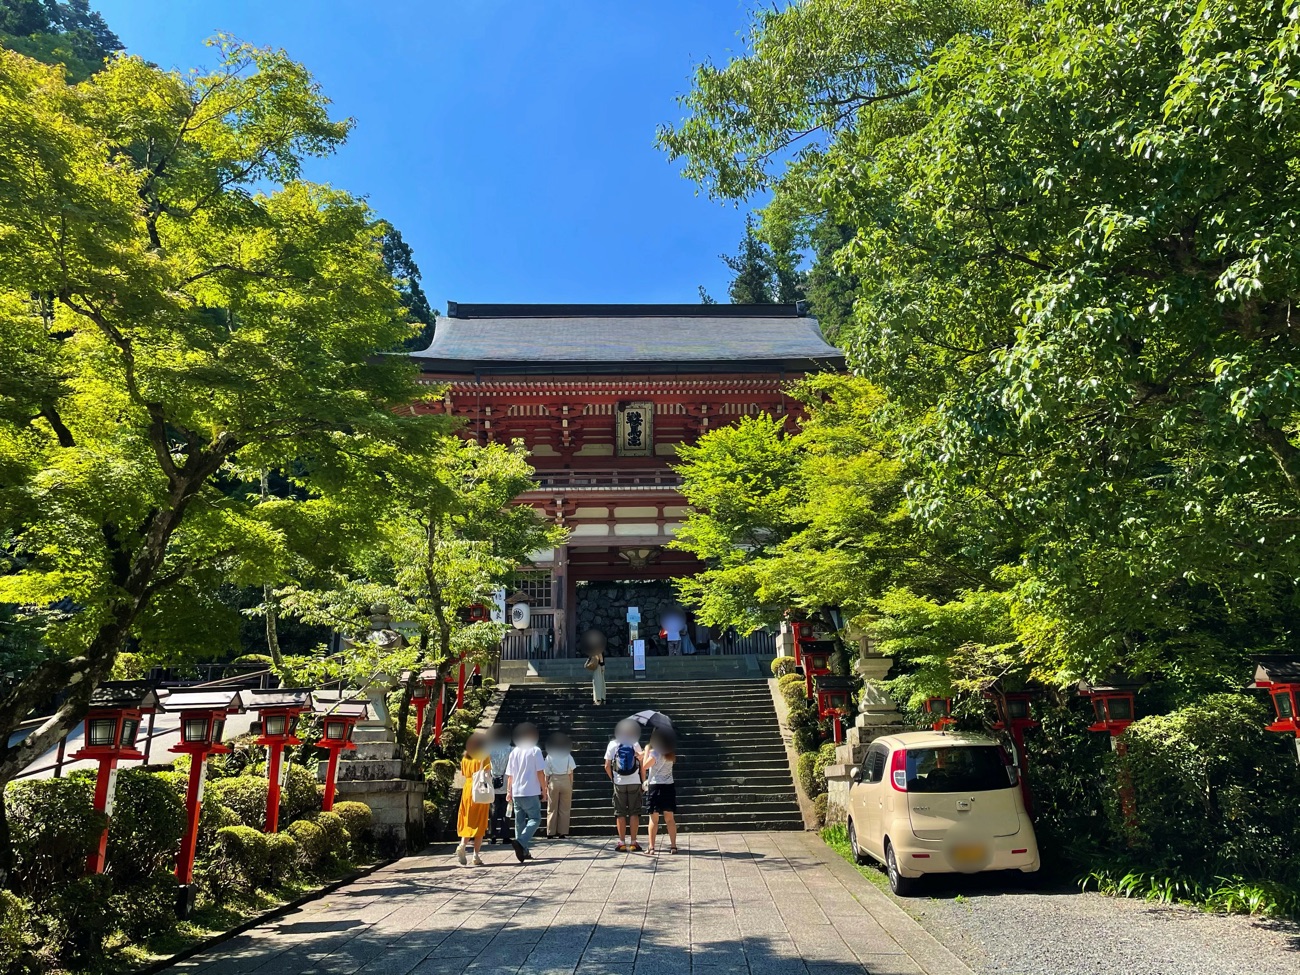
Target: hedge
(781,666)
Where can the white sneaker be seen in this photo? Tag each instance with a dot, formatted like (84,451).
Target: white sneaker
(478,860)
(460,855)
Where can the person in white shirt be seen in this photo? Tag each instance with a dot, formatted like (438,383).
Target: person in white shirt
(559,785)
(623,766)
(525,788)
(661,790)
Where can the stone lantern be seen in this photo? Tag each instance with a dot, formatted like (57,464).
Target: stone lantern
(337,724)
(202,716)
(279,710)
(110,728)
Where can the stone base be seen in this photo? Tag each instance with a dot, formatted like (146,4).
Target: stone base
(838,781)
(397,806)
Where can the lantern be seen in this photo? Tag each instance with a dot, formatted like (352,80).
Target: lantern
(109,733)
(817,656)
(478,613)
(202,723)
(420,693)
(1280,676)
(1019,718)
(337,724)
(279,710)
(940,711)
(1113,706)
(834,696)
(803,635)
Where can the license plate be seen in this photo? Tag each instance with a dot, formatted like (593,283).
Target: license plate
(970,853)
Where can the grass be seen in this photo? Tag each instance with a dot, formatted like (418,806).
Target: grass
(1225,895)
(837,838)
(210,920)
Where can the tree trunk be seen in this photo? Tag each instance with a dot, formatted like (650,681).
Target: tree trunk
(269,604)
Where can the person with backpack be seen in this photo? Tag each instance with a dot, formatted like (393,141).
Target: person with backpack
(661,791)
(475,797)
(623,766)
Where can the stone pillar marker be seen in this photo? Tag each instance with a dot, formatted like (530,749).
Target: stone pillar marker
(877,715)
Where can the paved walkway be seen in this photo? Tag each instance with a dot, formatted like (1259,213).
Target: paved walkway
(728,903)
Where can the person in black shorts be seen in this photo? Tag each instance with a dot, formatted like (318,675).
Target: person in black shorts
(661,790)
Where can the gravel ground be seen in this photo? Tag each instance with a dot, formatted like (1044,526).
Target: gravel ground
(1000,927)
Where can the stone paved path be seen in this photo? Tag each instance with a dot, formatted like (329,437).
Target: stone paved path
(729,903)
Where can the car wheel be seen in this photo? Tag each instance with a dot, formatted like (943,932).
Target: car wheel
(900,885)
(858,855)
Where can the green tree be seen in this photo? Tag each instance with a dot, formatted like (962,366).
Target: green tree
(400,261)
(449,539)
(67,33)
(178,311)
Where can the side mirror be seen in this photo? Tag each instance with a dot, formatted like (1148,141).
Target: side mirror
(856,774)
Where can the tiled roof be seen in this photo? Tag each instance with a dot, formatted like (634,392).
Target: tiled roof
(637,335)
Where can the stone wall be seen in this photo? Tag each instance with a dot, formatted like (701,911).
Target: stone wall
(603,605)
(877,715)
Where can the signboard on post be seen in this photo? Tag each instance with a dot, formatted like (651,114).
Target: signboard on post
(638,658)
(634,614)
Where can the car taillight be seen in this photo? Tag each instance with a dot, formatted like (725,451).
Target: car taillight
(898,770)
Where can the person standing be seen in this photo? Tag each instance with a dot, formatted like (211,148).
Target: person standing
(661,790)
(559,786)
(623,766)
(673,625)
(525,788)
(593,645)
(472,817)
(499,748)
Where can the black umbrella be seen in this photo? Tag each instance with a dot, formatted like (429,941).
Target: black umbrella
(652,719)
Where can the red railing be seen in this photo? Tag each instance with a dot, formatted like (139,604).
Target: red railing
(609,477)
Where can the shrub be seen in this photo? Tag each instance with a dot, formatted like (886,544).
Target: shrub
(313,845)
(805,727)
(74,919)
(53,827)
(213,818)
(147,907)
(261,659)
(489,683)
(1213,793)
(430,811)
(148,821)
(301,795)
(263,860)
(442,772)
(129,666)
(359,821)
(14,915)
(819,808)
(336,831)
(245,795)
(812,769)
(792,689)
(782,666)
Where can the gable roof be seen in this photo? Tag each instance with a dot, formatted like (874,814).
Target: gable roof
(610,338)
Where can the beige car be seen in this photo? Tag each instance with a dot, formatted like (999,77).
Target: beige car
(928,802)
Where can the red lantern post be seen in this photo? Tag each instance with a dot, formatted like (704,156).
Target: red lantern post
(111,726)
(1018,719)
(834,695)
(420,694)
(816,662)
(940,711)
(279,710)
(202,724)
(1114,706)
(337,724)
(1280,676)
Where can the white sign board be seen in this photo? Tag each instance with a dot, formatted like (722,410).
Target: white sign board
(111,798)
(638,655)
(498,607)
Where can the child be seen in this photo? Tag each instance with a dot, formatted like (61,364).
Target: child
(623,766)
(472,819)
(499,749)
(661,790)
(525,788)
(559,785)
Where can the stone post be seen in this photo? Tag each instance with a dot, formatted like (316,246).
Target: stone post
(877,716)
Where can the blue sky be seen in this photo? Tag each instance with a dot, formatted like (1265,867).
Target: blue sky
(511,141)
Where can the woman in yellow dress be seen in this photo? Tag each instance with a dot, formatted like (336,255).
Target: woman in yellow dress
(472,820)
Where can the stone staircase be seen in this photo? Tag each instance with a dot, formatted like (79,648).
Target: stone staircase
(732,771)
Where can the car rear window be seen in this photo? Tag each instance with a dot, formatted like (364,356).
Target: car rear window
(958,768)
